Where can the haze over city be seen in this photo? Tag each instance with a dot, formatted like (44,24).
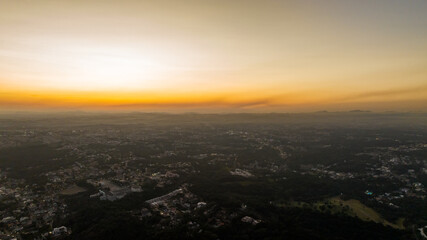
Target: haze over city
(213,119)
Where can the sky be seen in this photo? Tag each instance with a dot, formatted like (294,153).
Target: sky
(213,55)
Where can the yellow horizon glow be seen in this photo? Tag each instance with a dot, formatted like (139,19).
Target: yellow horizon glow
(215,55)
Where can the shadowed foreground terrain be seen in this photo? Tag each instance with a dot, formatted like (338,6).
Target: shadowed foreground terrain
(353,175)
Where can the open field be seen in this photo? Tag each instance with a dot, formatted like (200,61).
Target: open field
(365,213)
(74,189)
(350,207)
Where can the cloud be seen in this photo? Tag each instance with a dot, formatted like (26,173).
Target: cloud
(214,103)
(388,94)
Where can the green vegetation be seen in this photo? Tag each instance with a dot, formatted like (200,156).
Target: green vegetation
(351,207)
(72,190)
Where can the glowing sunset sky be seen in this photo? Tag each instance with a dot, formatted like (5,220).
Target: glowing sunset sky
(213,55)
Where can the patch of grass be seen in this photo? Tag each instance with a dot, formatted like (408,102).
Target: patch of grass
(350,207)
(72,190)
(365,213)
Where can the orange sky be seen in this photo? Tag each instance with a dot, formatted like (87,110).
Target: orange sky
(217,56)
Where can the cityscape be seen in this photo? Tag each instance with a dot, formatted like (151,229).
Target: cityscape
(213,120)
(209,177)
